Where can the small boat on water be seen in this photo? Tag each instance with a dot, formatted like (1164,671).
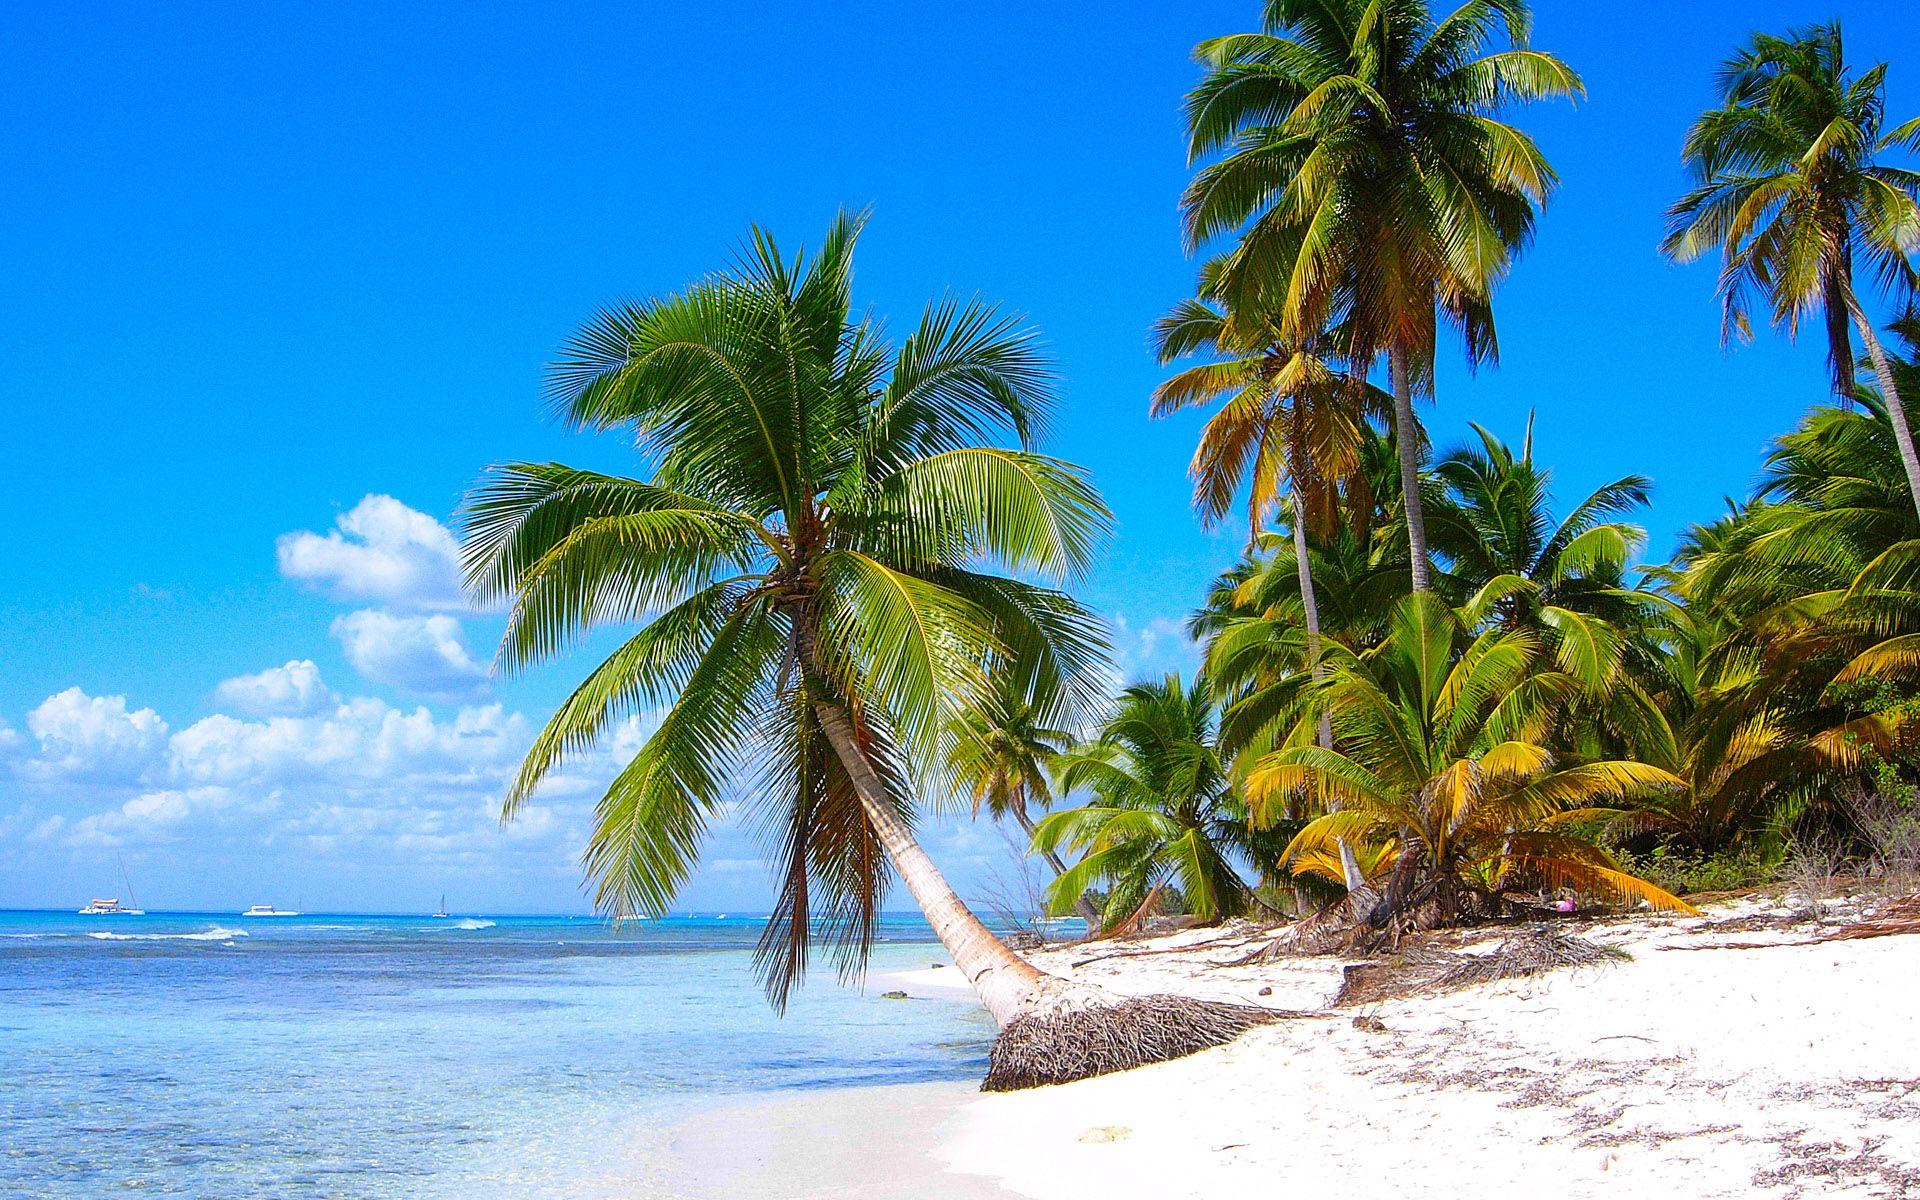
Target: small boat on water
(110,907)
(268,910)
(442,910)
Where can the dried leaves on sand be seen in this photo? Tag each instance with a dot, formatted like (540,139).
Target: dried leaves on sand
(1425,970)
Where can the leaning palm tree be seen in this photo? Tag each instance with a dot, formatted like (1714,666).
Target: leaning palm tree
(1792,191)
(1447,773)
(1368,176)
(814,562)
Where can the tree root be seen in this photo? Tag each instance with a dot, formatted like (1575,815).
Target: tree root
(1059,1043)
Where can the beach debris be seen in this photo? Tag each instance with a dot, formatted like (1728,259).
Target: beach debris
(893,995)
(1424,971)
(1088,1032)
(1105,1133)
(1370,1024)
(1901,916)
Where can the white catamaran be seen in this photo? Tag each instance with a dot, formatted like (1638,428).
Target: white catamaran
(268,910)
(110,906)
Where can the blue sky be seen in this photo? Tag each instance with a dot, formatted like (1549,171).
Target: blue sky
(264,263)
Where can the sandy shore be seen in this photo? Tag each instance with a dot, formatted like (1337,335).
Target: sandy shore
(1724,1058)
(841,1144)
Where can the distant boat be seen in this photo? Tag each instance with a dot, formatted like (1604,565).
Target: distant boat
(442,910)
(268,910)
(111,906)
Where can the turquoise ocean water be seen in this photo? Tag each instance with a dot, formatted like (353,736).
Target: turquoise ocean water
(367,1058)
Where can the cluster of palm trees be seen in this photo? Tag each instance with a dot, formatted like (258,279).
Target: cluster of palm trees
(1445,692)
(1426,692)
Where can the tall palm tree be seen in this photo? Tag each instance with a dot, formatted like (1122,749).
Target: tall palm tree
(813,559)
(1370,179)
(1791,190)
(1288,419)
(1164,811)
(1448,774)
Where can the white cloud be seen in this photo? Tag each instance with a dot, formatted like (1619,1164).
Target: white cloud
(293,690)
(380,550)
(426,656)
(93,737)
(1153,648)
(362,741)
(152,817)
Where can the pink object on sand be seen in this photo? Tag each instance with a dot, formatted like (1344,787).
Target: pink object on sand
(1565,906)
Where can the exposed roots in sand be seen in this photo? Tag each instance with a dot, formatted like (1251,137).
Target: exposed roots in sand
(1425,971)
(1097,1035)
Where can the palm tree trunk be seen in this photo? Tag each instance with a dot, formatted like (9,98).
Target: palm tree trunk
(1407,435)
(1896,411)
(1003,980)
(1839,342)
(1309,600)
(1052,1030)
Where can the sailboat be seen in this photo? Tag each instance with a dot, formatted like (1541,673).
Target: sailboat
(110,906)
(442,910)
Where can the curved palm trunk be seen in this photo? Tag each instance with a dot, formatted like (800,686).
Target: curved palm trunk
(1003,980)
(1052,1030)
(1407,435)
(1896,411)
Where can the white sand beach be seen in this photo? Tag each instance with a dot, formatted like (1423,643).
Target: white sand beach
(1726,1057)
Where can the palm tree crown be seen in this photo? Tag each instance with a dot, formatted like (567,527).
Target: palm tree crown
(1164,810)
(1789,187)
(812,561)
(1365,167)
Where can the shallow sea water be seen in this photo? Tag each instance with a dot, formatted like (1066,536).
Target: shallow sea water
(367,1058)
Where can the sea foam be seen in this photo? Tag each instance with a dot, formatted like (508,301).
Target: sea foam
(218,933)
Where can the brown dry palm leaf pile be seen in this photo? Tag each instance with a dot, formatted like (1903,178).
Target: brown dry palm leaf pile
(1423,970)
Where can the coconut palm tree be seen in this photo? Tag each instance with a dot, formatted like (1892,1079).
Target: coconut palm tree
(1791,189)
(1447,774)
(814,562)
(1288,419)
(1566,579)
(1369,179)
(1164,811)
(1001,756)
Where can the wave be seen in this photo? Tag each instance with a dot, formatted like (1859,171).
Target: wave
(470,923)
(219,933)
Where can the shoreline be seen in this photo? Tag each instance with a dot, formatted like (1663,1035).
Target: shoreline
(1726,1056)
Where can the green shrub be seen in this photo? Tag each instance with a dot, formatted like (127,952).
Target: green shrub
(1681,872)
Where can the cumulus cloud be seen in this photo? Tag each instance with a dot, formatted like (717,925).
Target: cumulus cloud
(423,655)
(93,737)
(383,551)
(293,690)
(363,741)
